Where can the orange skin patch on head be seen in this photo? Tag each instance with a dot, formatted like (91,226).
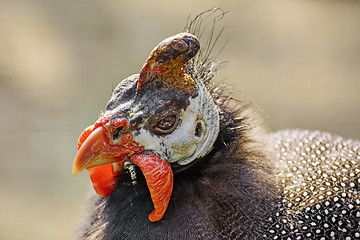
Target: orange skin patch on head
(162,65)
(105,146)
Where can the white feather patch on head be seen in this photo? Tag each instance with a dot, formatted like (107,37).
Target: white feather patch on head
(182,145)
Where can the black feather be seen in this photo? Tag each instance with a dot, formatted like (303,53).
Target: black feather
(252,185)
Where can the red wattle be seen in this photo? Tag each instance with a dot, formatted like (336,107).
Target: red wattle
(159,179)
(102,177)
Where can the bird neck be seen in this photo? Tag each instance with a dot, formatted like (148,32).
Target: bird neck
(207,198)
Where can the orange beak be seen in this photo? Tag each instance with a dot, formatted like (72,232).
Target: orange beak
(96,150)
(102,160)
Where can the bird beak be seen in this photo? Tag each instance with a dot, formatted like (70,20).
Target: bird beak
(98,154)
(103,159)
(90,152)
(96,150)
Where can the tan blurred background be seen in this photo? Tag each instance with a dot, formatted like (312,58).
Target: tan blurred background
(59,60)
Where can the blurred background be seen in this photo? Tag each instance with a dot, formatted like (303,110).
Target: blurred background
(298,60)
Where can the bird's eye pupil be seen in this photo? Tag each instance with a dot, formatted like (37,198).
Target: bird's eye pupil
(166,124)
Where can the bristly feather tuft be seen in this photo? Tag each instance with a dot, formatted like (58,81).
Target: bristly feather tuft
(200,208)
(205,65)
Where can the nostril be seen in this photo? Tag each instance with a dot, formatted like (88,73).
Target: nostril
(117,132)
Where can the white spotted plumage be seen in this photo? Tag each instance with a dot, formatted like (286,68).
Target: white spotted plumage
(319,175)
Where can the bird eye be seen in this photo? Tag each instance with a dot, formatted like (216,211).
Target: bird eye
(166,124)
